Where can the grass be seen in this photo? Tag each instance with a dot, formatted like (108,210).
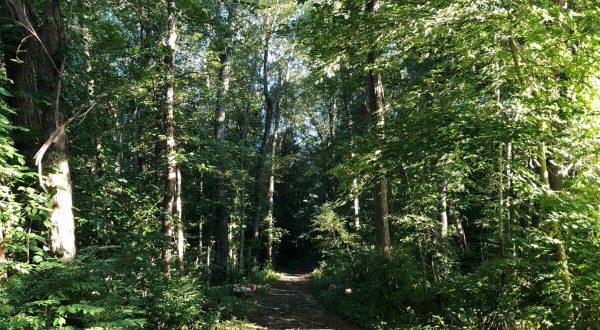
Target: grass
(265,276)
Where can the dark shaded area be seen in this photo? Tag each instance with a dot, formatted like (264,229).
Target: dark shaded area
(298,190)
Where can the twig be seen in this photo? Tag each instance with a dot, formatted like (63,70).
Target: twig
(58,132)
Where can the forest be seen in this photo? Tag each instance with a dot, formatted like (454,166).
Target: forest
(298,164)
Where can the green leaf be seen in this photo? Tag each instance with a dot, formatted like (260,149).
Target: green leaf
(5,92)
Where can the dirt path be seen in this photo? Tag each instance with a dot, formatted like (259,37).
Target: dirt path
(290,305)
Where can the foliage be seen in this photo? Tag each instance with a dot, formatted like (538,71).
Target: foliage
(118,292)
(478,95)
(487,138)
(374,290)
(329,229)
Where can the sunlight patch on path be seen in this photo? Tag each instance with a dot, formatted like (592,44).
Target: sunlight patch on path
(290,305)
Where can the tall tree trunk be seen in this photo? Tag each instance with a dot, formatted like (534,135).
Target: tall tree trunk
(242,236)
(172,202)
(43,44)
(3,273)
(375,108)
(356,198)
(260,175)
(221,211)
(271,192)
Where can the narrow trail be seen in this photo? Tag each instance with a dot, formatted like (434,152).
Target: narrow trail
(289,304)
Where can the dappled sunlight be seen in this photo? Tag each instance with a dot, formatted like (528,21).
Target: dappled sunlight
(299,164)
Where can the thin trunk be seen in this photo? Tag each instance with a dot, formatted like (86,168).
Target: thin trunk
(390,198)
(331,117)
(356,199)
(501,238)
(172,194)
(242,237)
(208,255)
(140,155)
(444,210)
(180,236)
(271,191)
(541,148)
(442,247)
(462,237)
(356,205)
(376,113)
(510,193)
(270,220)
(200,222)
(423,264)
(3,272)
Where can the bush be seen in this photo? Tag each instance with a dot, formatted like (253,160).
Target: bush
(120,292)
(386,291)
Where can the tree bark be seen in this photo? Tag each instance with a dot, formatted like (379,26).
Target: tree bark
(356,198)
(19,68)
(180,233)
(242,237)
(172,199)
(221,211)
(501,236)
(376,115)
(200,223)
(444,210)
(3,273)
(356,205)
(271,192)
(555,232)
(263,148)
(510,193)
(87,40)
(462,237)
(43,42)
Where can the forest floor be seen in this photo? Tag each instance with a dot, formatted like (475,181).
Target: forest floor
(289,304)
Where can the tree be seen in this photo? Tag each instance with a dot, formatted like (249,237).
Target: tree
(42,71)
(172,200)
(376,115)
(225,49)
